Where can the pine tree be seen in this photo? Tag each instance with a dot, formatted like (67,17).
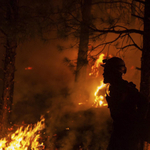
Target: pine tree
(20,21)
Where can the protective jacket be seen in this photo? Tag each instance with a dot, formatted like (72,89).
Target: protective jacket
(127,108)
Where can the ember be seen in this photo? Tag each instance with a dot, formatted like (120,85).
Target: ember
(24,138)
(28,68)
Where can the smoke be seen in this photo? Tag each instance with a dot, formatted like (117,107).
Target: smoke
(44,85)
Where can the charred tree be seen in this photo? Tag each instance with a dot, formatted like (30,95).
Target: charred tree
(145,61)
(20,21)
(145,64)
(84,40)
(9,66)
(8,84)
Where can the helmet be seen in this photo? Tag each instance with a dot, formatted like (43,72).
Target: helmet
(115,64)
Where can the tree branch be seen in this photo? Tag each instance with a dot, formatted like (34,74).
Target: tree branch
(112,2)
(140,1)
(134,43)
(138,68)
(130,46)
(107,42)
(119,1)
(3,32)
(118,31)
(142,18)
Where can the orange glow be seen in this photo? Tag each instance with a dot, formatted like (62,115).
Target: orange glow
(132,67)
(22,139)
(95,67)
(99,60)
(146,146)
(99,99)
(80,103)
(28,68)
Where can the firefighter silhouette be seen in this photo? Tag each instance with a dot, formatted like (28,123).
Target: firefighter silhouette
(127,107)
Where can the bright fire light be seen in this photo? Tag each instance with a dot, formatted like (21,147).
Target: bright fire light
(94,68)
(24,138)
(99,99)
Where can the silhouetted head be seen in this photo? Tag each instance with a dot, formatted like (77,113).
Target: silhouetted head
(113,69)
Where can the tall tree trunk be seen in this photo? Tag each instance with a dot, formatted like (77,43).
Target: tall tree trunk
(8,84)
(145,61)
(84,40)
(9,66)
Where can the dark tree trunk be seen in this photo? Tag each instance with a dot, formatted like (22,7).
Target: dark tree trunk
(8,84)
(84,40)
(145,61)
(9,66)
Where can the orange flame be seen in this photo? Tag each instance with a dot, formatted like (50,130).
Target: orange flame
(99,100)
(23,139)
(94,68)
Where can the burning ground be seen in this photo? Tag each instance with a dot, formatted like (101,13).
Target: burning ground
(69,126)
(68,129)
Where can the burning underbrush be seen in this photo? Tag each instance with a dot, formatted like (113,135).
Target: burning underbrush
(73,120)
(24,138)
(67,126)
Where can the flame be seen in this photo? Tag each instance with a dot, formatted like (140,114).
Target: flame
(80,103)
(99,100)
(99,60)
(94,68)
(22,139)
